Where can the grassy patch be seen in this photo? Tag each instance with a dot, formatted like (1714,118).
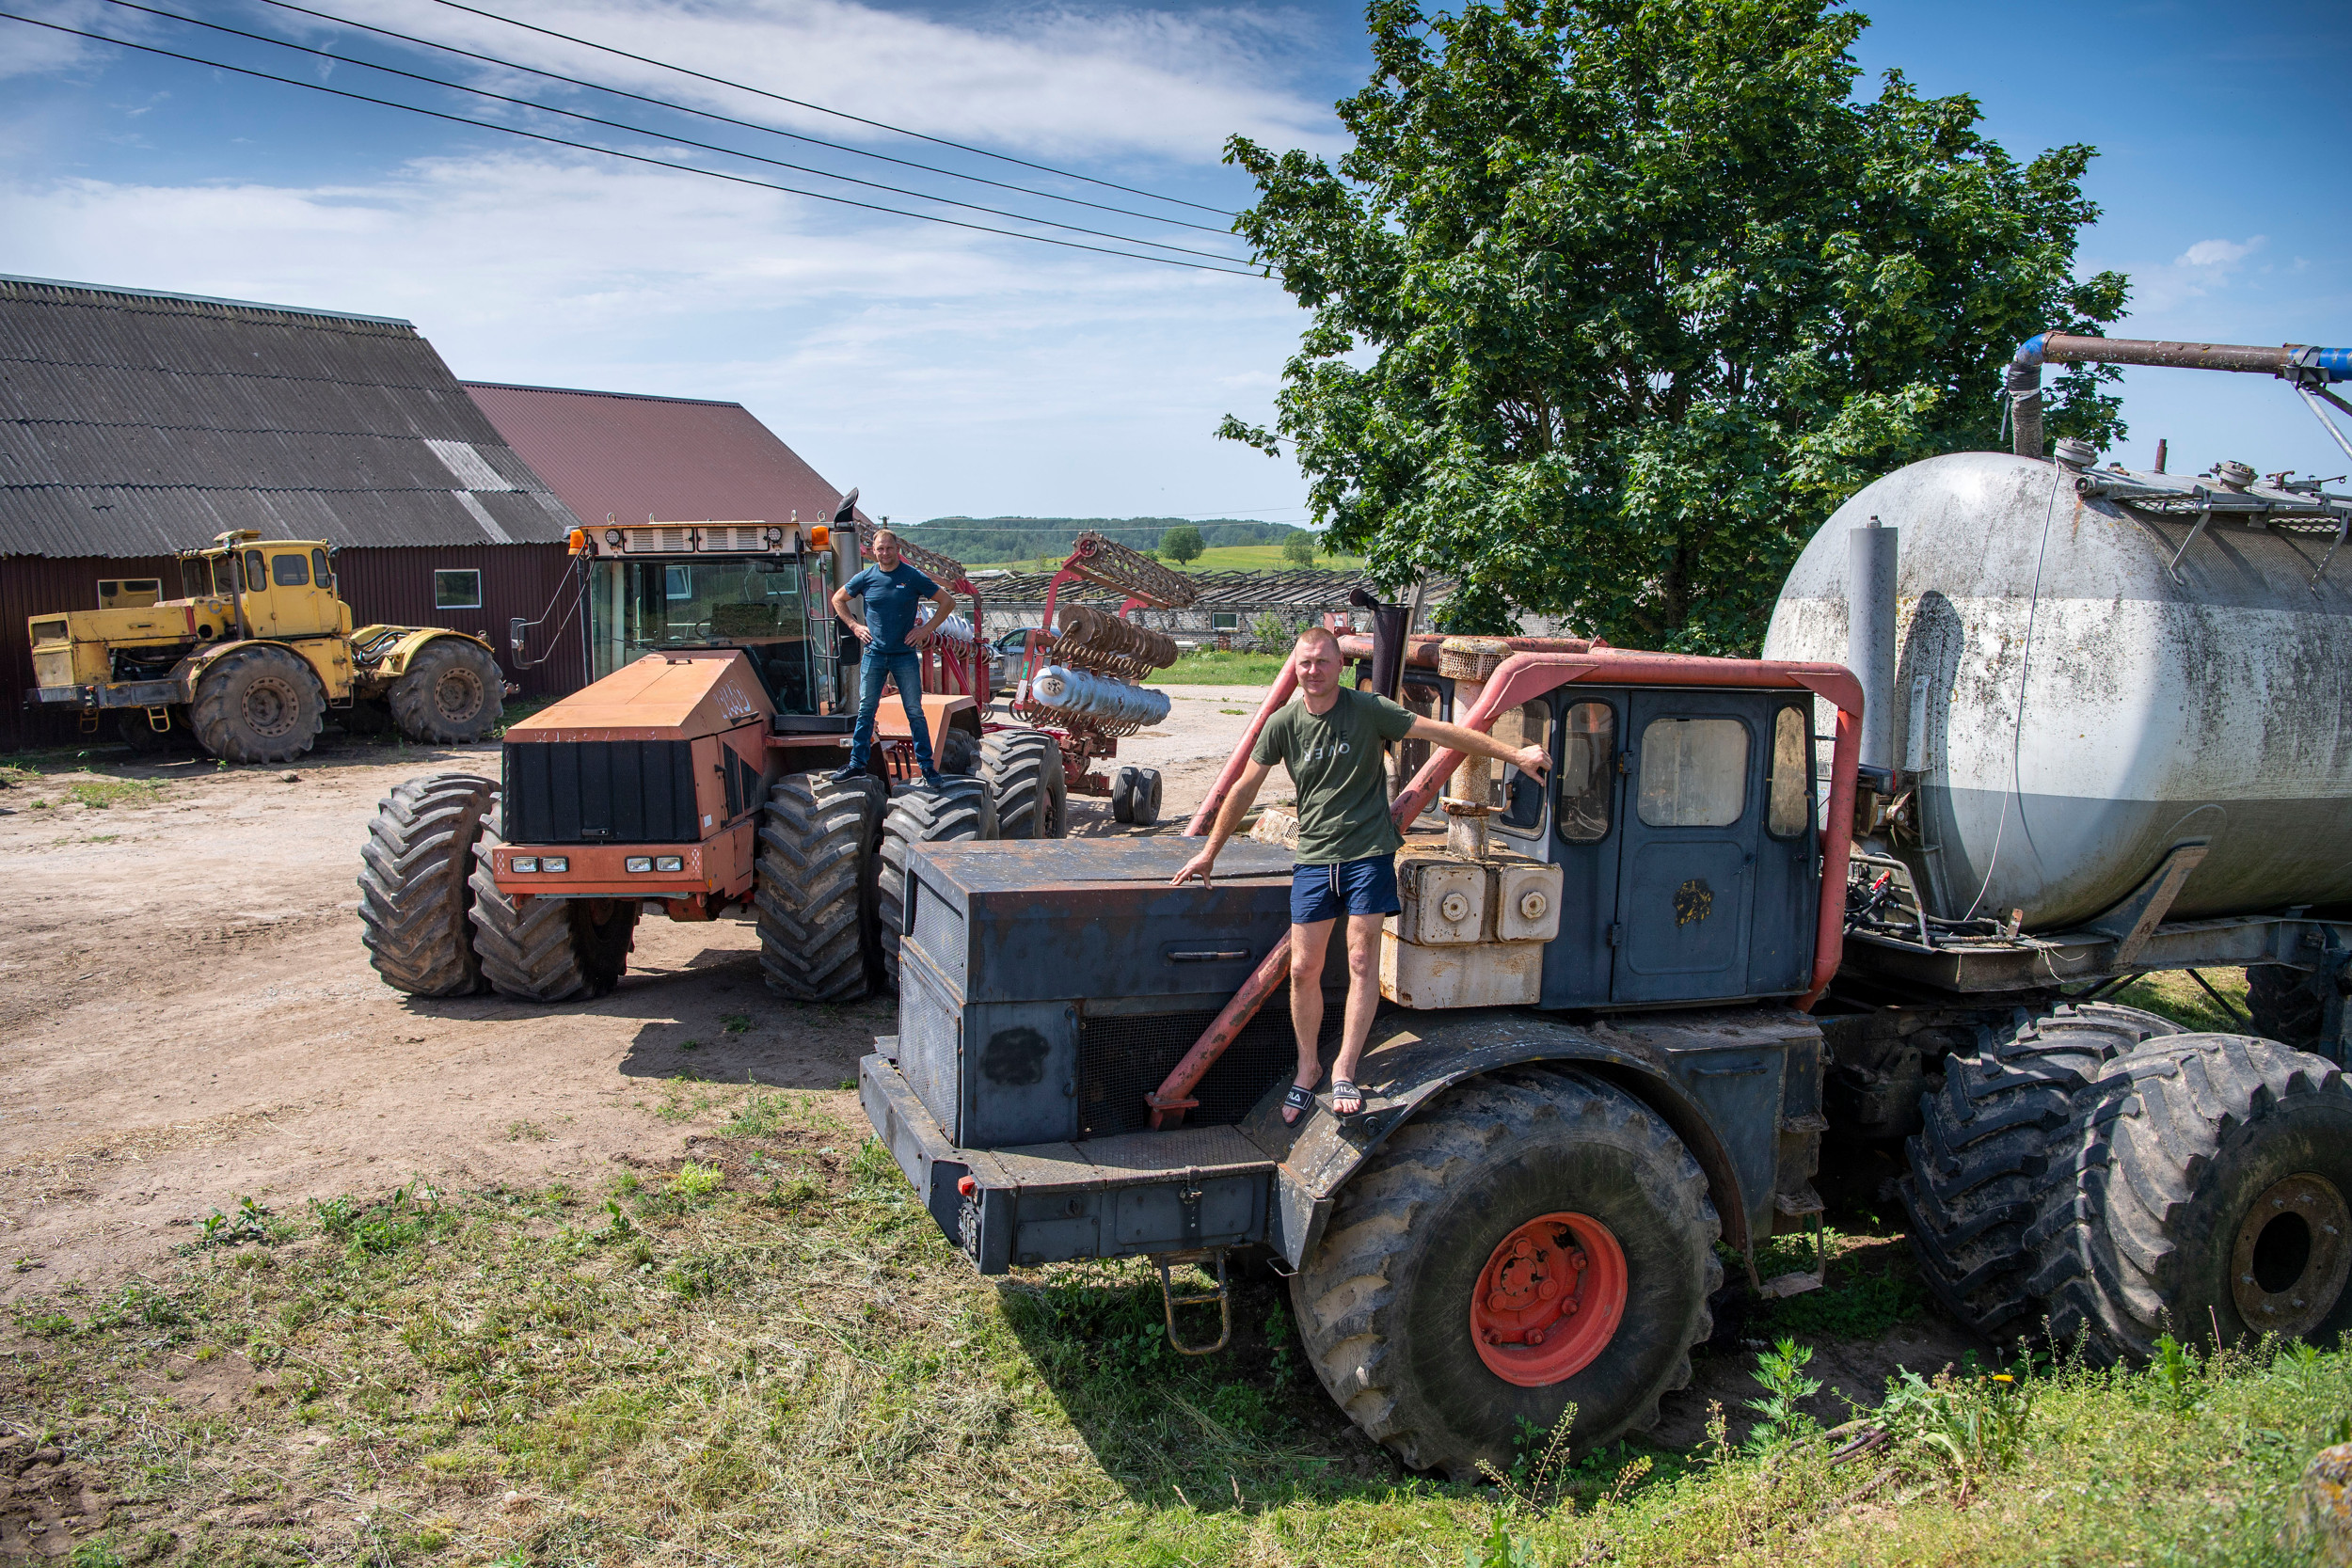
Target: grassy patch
(1210,667)
(2174,995)
(1872,1285)
(102,794)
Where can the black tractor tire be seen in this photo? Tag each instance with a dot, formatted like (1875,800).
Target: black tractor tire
(2287,1006)
(2206,1193)
(959,752)
(452,693)
(964,808)
(416,897)
(1024,770)
(146,739)
(546,949)
(1144,803)
(1383,1299)
(1123,795)
(1976,1162)
(813,890)
(260,702)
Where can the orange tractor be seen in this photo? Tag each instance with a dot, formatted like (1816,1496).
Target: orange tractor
(692,777)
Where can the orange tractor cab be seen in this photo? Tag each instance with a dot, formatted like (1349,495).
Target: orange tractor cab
(692,776)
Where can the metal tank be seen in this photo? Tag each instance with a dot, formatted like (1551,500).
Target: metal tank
(2092,667)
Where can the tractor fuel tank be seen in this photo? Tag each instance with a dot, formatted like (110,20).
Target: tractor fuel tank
(2070,703)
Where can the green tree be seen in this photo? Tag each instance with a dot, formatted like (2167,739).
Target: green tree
(1182,544)
(1615,301)
(1299,548)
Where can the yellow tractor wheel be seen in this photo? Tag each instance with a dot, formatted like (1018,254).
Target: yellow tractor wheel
(258,704)
(452,696)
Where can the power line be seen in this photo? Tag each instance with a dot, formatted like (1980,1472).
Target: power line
(683,141)
(614,152)
(839,114)
(730,120)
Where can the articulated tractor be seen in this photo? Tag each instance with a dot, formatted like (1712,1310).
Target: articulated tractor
(253,655)
(2025,729)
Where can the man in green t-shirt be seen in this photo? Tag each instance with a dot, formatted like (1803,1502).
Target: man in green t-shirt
(1329,738)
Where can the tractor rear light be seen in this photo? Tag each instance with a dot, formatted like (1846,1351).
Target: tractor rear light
(638,863)
(555,863)
(523,863)
(669,863)
(967,1186)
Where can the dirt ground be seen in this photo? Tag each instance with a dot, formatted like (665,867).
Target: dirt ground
(187,1016)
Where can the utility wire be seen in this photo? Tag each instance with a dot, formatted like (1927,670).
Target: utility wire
(614,152)
(682,141)
(839,114)
(730,120)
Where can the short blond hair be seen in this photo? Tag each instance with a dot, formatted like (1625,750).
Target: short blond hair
(1306,632)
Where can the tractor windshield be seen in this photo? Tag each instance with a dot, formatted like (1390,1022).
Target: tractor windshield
(755,603)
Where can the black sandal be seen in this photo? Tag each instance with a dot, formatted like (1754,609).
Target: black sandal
(1343,1090)
(1298,1098)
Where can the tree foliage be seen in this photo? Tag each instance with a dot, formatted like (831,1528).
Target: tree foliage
(1616,300)
(1182,544)
(1299,548)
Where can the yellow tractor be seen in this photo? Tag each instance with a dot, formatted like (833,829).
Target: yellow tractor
(250,660)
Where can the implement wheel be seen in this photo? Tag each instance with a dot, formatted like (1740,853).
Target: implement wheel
(2206,1186)
(1986,1140)
(546,949)
(452,696)
(815,897)
(260,702)
(415,899)
(2288,1006)
(962,809)
(1024,770)
(1534,1239)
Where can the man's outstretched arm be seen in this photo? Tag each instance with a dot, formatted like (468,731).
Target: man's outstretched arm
(1533,761)
(1229,815)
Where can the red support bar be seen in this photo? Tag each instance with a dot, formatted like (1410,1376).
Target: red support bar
(1175,1094)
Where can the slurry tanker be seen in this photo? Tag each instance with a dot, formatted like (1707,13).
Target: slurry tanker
(2026,727)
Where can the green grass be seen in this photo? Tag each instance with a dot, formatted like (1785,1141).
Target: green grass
(103,794)
(768,1353)
(1210,667)
(2174,995)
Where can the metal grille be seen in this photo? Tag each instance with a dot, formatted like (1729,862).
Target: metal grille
(599,792)
(928,1030)
(1123,1059)
(939,932)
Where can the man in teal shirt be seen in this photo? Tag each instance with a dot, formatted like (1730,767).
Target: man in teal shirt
(1329,740)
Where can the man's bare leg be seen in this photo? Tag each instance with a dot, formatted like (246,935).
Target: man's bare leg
(1363,999)
(1307,946)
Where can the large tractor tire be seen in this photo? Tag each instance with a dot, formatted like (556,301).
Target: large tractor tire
(963,808)
(959,755)
(2288,1006)
(145,738)
(815,893)
(260,702)
(1533,1239)
(2205,1194)
(415,897)
(1978,1159)
(1024,770)
(546,949)
(452,696)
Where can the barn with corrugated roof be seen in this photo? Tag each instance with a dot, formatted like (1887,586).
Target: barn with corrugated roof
(136,423)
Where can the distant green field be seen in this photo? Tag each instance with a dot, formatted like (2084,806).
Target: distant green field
(1221,558)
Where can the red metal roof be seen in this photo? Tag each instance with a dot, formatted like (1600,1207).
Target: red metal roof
(632,458)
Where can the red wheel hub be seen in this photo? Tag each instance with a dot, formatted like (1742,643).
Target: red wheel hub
(1549,1300)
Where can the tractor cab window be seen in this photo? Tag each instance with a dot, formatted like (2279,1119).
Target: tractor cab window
(1530,724)
(320,571)
(1786,789)
(291,570)
(1694,772)
(755,603)
(1588,770)
(256,578)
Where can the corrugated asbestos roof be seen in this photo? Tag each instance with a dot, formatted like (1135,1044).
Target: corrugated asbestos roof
(630,458)
(133,423)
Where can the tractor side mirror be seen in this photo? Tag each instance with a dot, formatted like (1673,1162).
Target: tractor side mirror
(516,629)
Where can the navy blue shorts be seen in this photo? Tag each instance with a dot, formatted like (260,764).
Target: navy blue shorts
(1366,886)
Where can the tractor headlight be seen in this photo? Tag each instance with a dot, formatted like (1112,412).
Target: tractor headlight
(638,863)
(523,863)
(670,863)
(613,538)
(555,863)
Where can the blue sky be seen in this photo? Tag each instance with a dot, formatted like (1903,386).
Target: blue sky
(948,372)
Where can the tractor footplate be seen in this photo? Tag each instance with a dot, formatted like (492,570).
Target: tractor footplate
(1222,1297)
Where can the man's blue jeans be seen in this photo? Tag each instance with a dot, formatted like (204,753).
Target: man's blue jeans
(907,669)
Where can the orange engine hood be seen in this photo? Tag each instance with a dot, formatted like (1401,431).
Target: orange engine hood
(662,696)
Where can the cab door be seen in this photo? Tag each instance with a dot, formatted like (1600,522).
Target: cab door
(1690,832)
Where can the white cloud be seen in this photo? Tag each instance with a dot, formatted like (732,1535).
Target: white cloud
(2220,253)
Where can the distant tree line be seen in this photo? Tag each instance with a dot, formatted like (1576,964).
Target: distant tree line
(976,541)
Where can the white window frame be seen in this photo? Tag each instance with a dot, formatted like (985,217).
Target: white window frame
(441,572)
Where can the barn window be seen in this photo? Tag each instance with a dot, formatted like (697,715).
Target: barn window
(460,590)
(1225,620)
